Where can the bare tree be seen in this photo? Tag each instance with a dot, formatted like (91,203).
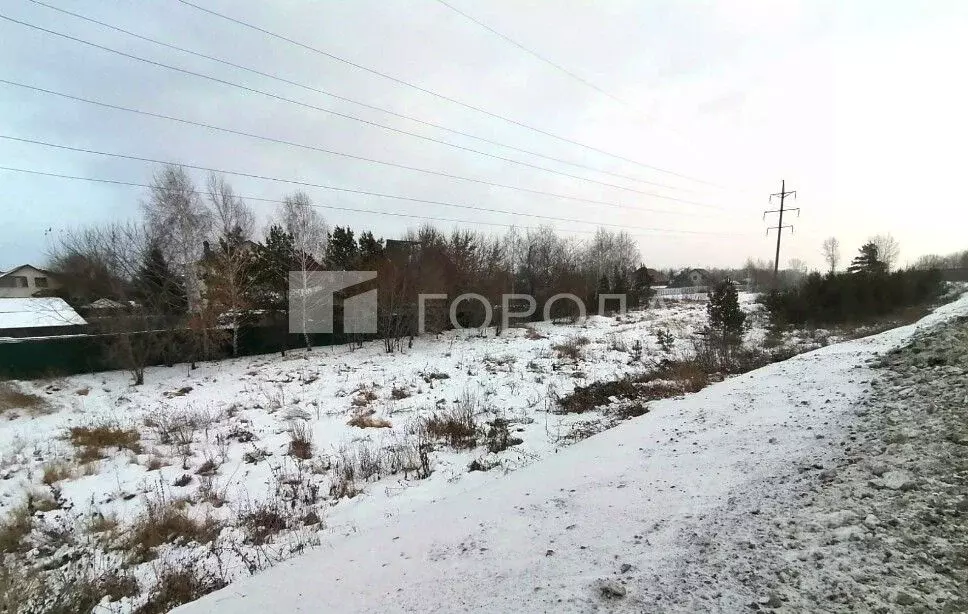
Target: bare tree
(798,266)
(227,267)
(120,263)
(831,252)
(231,217)
(179,224)
(888,249)
(309,235)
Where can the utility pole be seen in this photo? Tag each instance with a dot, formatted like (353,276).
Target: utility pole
(779,227)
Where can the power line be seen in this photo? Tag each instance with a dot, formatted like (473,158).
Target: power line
(356,102)
(268,178)
(533,53)
(305,146)
(379,212)
(445,97)
(344,115)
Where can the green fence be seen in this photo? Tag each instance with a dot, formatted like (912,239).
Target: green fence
(52,356)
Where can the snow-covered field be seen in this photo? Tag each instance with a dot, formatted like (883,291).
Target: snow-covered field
(216,442)
(240,465)
(653,515)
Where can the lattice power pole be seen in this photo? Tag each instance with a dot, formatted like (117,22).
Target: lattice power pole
(779,226)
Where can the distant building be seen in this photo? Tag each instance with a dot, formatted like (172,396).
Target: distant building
(658,277)
(25,281)
(38,317)
(689,278)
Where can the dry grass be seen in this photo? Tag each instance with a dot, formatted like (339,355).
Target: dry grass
(261,522)
(208,468)
(571,349)
(300,440)
(179,585)
(168,521)
(398,393)
(91,441)
(14,528)
(42,501)
(672,379)
(363,398)
(498,436)
(74,589)
(456,427)
(13,398)
(430,378)
(56,471)
(156,462)
(369,422)
(102,524)
(533,334)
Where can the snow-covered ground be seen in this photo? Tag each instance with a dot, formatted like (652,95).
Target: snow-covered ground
(215,441)
(621,521)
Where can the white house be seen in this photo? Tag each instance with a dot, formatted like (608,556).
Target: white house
(25,281)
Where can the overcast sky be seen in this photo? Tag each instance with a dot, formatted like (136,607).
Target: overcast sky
(860,106)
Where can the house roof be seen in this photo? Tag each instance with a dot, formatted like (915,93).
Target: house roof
(37,312)
(25,266)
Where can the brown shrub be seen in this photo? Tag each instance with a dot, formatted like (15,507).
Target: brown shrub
(92,440)
(456,427)
(300,440)
(672,379)
(165,522)
(398,393)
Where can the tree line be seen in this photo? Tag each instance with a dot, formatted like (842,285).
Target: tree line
(867,290)
(195,269)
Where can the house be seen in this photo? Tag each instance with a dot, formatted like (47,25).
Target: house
(657,277)
(688,278)
(25,281)
(38,317)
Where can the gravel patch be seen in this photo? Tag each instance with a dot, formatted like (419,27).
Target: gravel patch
(875,521)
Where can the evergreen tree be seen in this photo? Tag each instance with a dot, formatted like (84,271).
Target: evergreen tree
(867,261)
(726,320)
(158,288)
(270,268)
(371,251)
(642,291)
(270,275)
(342,252)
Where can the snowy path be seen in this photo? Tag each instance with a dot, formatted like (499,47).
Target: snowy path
(623,507)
